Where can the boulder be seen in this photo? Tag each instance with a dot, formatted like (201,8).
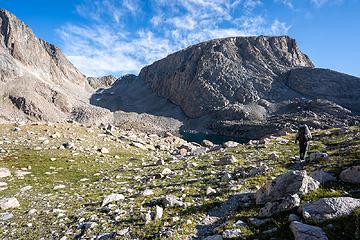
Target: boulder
(303,231)
(112,198)
(171,201)
(226,160)
(230,144)
(4,172)
(318,156)
(351,174)
(322,177)
(232,233)
(275,207)
(8,203)
(289,183)
(329,208)
(6,216)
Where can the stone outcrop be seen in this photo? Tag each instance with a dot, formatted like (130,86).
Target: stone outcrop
(329,208)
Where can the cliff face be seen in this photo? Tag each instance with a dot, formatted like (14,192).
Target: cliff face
(207,77)
(37,82)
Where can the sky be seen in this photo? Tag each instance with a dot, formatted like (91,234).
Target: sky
(117,37)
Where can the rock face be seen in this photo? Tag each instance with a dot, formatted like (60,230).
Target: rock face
(101,82)
(207,77)
(351,174)
(329,208)
(37,82)
(289,183)
(303,231)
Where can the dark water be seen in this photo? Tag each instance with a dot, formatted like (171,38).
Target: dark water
(217,139)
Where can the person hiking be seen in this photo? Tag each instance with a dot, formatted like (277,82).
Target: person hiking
(303,136)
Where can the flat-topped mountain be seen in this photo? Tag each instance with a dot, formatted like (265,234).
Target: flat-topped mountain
(37,82)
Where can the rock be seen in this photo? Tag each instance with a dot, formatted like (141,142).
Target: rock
(232,233)
(32,211)
(147,192)
(6,216)
(329,208)
(289,183)
(87,225)
(115,197)
(293,217)
(318,156)
(278,206)
(158,212)
(60,186)
(69,145)
(138,145)
(226,177)
(230,144)
(210,191)
(20,174)
(226,160)
(104,150)
(160,162)
(258,170)
(105,236)
(273,156)
(351,175)
(171,201)
(214,237)
(4,172)
(3,184)
(303,231)
(207,143)
(8,203)
(240,223)
(26,188)
(101,82)
(166,171)
(146,217)
(322,177)
(258,222)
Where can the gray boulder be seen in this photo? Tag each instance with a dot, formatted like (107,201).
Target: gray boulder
(351,174)
(289,183)
(275,207)
(8,203)
(4,172)
(303,231)
(322,177)
(329,208)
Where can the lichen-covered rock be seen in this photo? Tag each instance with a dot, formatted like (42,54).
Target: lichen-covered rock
(4,172)
(303,231)
(329,208)
(289,183)
(351,174)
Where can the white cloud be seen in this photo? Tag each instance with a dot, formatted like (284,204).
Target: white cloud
(108,45)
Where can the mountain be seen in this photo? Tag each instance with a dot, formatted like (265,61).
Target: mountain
(239,86)
(38,83)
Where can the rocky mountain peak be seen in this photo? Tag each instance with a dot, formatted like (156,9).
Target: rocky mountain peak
(209,76)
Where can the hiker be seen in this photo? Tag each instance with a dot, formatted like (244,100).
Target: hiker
(303,136)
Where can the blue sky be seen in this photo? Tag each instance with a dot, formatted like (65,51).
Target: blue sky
(121,36)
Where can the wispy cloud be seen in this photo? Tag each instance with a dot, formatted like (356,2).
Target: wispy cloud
(122,36)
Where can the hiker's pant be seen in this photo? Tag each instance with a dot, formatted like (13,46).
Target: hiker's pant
(303,149)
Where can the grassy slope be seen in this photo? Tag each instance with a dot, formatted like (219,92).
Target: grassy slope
(89,176)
